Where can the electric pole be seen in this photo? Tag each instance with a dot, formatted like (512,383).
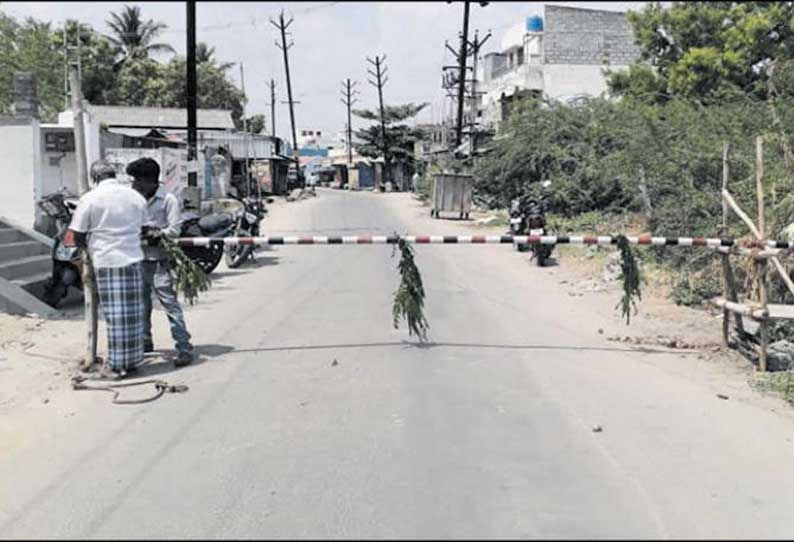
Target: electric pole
(191,93)
(245,133)
(89,285)
(273,107)
(380,80)
(282,27)
(461,56)
(475,49)
(347,98)
(464,42)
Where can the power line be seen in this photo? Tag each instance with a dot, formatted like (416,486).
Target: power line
(251,22)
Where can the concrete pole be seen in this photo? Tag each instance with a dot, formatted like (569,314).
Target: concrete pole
(89,287)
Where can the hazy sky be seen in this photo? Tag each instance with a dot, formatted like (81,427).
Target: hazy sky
(332,41)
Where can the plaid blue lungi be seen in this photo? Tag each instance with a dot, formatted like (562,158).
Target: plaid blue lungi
(120,292)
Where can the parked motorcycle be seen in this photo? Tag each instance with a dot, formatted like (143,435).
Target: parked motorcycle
(65,256)
(247,225)
(214,225)
(528,217)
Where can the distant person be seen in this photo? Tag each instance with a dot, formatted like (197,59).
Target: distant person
(108,221)
(164,218)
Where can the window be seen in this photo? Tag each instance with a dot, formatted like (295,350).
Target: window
(520,56)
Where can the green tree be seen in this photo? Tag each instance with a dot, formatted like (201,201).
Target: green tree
(29,47)
(205,53)
(709,50)
(165,86)
(256,123)
(400,137)
(134,37)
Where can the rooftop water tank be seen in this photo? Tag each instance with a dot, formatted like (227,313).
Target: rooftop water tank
(535,23)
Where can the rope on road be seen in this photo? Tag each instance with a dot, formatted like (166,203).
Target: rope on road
(481,239)
(161,387)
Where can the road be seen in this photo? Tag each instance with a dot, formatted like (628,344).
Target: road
(487,432)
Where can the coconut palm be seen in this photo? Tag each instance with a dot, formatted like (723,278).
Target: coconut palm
(205,53)
(133,37)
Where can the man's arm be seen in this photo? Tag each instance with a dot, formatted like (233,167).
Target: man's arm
(80,224)
(173,214)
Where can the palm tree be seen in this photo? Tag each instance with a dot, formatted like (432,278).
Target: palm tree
(205,53)
(133,37)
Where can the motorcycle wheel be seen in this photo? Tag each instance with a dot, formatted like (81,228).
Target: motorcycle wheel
(540,256)
(207,258)
(236,256)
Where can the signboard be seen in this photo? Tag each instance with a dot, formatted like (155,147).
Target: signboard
(263,175)
(172,162)
(59,141)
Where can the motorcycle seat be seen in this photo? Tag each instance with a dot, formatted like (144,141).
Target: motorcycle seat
(215,222)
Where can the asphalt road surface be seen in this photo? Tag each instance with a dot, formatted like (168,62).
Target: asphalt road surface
(309,416)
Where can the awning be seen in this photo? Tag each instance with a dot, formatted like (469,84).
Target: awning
(131,132)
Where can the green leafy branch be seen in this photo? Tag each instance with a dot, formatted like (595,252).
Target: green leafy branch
(190,278)
(630,274)
(409,298)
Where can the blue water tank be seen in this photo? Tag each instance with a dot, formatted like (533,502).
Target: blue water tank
(535,23)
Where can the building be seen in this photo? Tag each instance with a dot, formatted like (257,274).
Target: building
(562,55)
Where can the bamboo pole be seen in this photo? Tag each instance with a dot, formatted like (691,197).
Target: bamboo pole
(754,312)
(761,267)
(89,288)
(729,290)
(727,198)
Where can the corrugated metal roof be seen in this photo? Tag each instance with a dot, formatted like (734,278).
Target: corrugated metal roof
(160,117)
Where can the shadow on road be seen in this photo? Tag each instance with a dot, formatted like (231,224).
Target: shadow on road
(162,361)
(213,350)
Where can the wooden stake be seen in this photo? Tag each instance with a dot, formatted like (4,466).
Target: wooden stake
(89,289)
(729,291)
(761,266)
(741,214)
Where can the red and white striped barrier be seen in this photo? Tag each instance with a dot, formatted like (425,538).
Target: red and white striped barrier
(477,240)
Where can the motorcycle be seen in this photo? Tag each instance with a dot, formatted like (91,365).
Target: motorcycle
(214,225)
(528,217)
(247,225)
(66,266)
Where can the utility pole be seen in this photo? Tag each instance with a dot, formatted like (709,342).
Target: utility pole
(380,80)
(347,98)
(245,131)
(464,42)
(89,288)
(475,48)
(273,107)
(282,27)
(191,94)
(461,56)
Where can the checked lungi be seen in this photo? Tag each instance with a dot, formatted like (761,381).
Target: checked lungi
(120,292)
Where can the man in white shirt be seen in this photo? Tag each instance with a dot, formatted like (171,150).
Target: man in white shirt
(109,221)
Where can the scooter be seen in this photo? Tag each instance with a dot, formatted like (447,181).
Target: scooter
(65,255)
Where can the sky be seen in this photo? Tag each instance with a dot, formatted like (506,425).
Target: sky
(332,41)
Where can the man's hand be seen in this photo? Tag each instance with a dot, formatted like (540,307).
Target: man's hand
(152,235)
